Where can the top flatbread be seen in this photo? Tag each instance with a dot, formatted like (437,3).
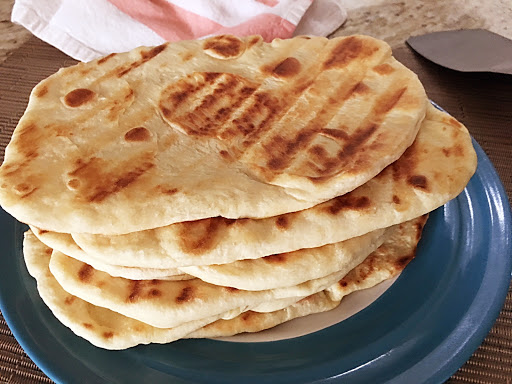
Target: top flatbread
(221,127)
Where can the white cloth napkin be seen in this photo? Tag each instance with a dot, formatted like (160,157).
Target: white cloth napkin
(87,29)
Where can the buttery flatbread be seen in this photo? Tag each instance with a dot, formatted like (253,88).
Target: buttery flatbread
(166,304)
(64,243)
(432,171)
(173,133)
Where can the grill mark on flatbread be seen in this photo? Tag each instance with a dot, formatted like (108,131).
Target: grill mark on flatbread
(145,56)
(41,91)
(95,185)
(103,60)
(108,335)
(418,181)
(78,97)
(88,325)
(383,69)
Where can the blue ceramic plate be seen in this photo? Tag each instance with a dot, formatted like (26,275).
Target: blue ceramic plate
(421,330)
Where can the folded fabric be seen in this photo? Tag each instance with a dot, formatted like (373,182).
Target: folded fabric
(87,29)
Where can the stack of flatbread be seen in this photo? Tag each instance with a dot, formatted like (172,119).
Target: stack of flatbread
(209,188)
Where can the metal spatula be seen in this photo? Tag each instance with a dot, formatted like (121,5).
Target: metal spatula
(469,50)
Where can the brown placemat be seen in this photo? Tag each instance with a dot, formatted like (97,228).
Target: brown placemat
(483,102)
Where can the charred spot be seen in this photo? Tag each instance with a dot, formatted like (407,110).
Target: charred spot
(135,291)
(384,69)
(348,201)
(167,190)
(73,184)
(278,258)
(148,55)
(78,97)
(69,300)
(348,50)
(225,155)
(224,46)
(137,134)
(282,222)
(41,231)
(343,283)
(361,89)
(104,59)
(287,68)
(155,293)
(418,181)
(254,40)
(186,294)
(108,335)
(41,91)
(48,251)
(231,289)
(85,273)
(402,262)
(88,325)
(247,315)
(201,235)
(396,199)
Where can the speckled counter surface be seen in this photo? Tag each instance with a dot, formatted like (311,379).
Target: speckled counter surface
(486,109)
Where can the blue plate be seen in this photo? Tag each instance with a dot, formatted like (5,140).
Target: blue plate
(421,330)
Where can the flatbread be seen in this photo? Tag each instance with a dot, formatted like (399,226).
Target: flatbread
(432,171)
(169,134)
(100,326)
(64,243)
(166,304)
(288,269)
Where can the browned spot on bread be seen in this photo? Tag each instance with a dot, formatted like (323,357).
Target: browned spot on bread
(278,258)
(199,236)
(254,40)
(224,46)
(88,325)
(402,262)
(108,335)
(231,289)
(287,68)
(454,123)
(167,190)
(73,184)
(85,273)
(225,155)
(384,69)
(361,88)
(418,181)
(396,199)
(247,315)
(69,300)
(343,283)
(356,141)
(348,201)
(186,294)
(48,251)
(135,291)
(41,91)
(281,149)
(282,222)
(79,97)
(155,293)
(145,56)
(348,50)
(104,59)
(186,56)
(24,189)
(137,134)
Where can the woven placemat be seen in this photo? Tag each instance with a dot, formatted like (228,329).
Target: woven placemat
(483,102)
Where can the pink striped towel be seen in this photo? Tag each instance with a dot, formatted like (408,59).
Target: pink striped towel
(87,29)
